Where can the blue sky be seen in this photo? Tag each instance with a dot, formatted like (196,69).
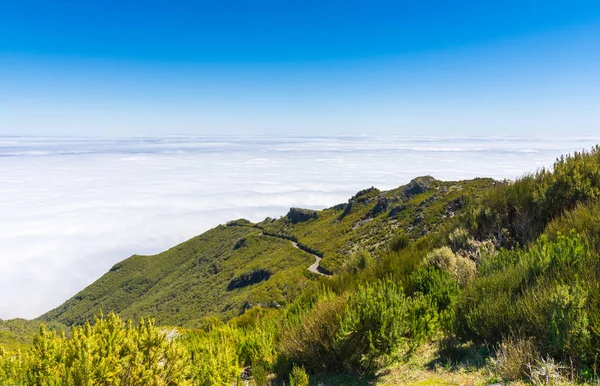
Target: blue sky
(311,67)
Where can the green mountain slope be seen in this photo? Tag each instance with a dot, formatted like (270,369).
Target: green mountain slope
(192,280)
(232,268)
(17,334)
(371,218)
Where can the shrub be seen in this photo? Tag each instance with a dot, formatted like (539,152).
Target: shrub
(298,377)
(516,213)
(358,262)
(459,239)
(107,352)
(568,333)
(214,355)
(379,320)
(308,338)
(438,284)
(259,373)
(399,242)
(547,372)
(584,219)
(465,270)
(521,292)
(442,258)
(257,345)
(460,267)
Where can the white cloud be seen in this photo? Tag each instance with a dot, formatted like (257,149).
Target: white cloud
(72,208)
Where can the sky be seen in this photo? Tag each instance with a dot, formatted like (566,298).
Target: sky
(130,126)
(134,68)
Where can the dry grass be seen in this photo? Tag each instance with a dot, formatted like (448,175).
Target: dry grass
(514,358)
(421,369)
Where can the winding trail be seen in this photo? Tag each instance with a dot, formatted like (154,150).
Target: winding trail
(314,268)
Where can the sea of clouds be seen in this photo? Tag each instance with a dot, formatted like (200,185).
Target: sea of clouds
(70,208)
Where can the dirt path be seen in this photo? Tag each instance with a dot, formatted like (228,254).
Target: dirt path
(316,267)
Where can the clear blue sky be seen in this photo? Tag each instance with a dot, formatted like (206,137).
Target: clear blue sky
(299,67)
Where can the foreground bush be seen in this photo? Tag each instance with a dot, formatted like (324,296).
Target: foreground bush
(108,352)
(309,338)
(353,332)
(548,292)
(516,213)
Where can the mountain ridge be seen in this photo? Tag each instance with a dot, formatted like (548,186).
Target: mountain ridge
(192,281)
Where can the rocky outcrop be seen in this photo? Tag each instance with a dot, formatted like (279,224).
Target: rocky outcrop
(418,185)
(365,196)
(397,209)
(296,215)
(240,243)
(383,204)
(249,278)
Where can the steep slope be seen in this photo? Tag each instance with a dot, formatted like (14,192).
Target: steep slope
(229,269)
(217,273)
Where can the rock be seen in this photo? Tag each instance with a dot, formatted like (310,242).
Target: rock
(296,215)
(240,243)
(249,278)
(397,209)
(428,200)
(341,206)
(418,185)
(365,195)
(457,204)
(383,203)
(418,218)
(246,374)
(347,208)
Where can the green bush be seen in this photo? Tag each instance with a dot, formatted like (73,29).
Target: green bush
(214,355)
(525,293)
(399,242)
(308,338)
(438,284)
(109,352)
(380,320)
(516,213)
(358,262)
(298,377)
(568,334)
(584,219)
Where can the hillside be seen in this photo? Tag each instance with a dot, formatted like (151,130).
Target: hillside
(458,283)
(18,334)
(232,268)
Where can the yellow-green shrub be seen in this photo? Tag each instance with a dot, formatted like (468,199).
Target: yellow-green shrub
(108,352)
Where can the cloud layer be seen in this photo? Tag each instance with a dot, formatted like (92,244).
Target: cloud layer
(72,208)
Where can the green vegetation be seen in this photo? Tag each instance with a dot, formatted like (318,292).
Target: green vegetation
(233,268)
(18,334)
(200,278)
(454,283)
(107,352)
